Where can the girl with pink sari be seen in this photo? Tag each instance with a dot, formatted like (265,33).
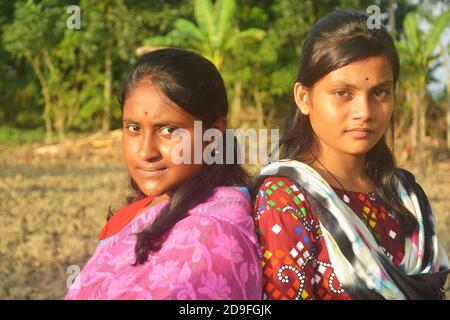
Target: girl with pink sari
(188,232)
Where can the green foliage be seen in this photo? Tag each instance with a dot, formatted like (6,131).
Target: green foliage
(214,35)
(417,46)
(59,79)
(13,136)
(416,50)
(33,28)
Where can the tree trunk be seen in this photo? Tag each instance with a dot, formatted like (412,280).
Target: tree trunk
(107,88)
(448,114)
(447,71)
(60,119)
(236,105)
(418,129)
(259,108)
(35,64)
(47,117)
(392,18)
(421,151)
(422,116)
(414,132)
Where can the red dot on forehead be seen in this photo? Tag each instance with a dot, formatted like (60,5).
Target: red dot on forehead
(146,113)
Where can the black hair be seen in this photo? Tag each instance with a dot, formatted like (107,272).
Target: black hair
(194,84)
(334,41)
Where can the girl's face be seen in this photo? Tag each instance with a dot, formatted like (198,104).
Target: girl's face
(350,107)
(149,119)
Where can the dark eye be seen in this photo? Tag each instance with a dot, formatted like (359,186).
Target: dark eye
(381,93)
(342,93)
(133,128)
(166,131)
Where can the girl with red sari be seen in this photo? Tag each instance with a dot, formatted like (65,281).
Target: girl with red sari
(188,232)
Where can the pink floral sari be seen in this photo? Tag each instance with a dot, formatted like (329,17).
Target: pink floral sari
(213,253)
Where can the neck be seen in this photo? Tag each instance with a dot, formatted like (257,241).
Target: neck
(342,170)
(161,198)
(156,200)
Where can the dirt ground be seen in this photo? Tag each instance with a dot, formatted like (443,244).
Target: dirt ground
(53,204)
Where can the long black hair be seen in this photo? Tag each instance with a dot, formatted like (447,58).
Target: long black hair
(336,40)
(193,83)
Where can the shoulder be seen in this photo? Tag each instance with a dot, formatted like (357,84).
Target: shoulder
(283,188)
(405,175)
(281,194)
(408,180)
(225,218)
(288,172)
(226,199)
(122,218)
(410,185)
(278,184)
(225,206)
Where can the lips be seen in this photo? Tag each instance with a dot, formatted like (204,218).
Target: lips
(151,172)
(360,129)
(359,132)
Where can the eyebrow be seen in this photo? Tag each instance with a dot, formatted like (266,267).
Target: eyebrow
(350,85)
(159,123)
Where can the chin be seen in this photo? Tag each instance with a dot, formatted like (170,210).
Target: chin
(153,193)
(360,151)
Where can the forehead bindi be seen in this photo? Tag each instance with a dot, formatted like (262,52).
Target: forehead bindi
(365,73)
(146,103)
(145,100)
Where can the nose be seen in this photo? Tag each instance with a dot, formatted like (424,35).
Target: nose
(148,148)
(362,108)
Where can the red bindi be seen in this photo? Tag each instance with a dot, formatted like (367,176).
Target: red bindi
(146,113)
